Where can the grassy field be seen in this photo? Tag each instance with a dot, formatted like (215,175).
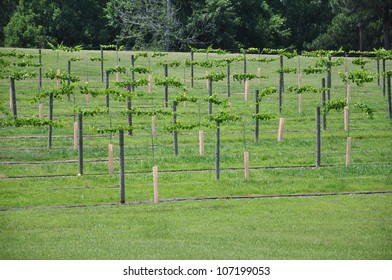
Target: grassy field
(48,212)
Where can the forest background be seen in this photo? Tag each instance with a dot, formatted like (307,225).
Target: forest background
(175,25)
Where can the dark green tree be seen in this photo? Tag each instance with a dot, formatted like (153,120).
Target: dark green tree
(356,24)
(7,8)
(70,22)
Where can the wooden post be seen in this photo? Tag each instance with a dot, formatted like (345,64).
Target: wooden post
(389,96)
(245,63)
(88,97)
(154,126)
(166,87)
(50,129)
(192,75)
(228,80)
(122,169)
(259,74)
(175,133)
(40,69)
(130,120)
(155,179)
(348,92)
(76,131)
(246,90)
(150,83)
(107,86)
(13,98)
(299,79)
(110,159)
(102,73)
(378,69)
(346,119)
(217,152)
(323,98)
(318,138)
(348,151)
(329,78)
(80,146)
(383,77)
(201,142)
(257,110)
(57,79)
(300,103)
(246,164)
(281,128)
(209,95)
(69,82)
(41,110)
(281,84)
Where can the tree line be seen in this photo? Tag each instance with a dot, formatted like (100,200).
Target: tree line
(176,25)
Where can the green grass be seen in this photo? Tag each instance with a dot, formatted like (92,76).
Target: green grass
(341,227)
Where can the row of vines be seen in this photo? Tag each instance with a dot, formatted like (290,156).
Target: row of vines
(189,111)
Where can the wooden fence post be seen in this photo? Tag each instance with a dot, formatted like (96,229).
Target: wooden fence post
(281,84)
(348,151)
(166,87)
(346,119)
(192,73)
(122,169)
(318,138)
(323,98)
(246,164)
(246,90)
(57,79)
(280,130)
(228,80)
(76,131)
(102,73)
(389,96)
(201,142)
(13,98)
(80,146)
(217,152)
(257,110)
(209,95)
(175,133)
(155,179)
(154,125)
(41,110)
(150,80)
(110,159)
(50,128)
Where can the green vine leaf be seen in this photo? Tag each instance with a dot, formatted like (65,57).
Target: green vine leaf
(263,116)
(223,117)
(365,108)
(243,77)
(168,81)
(334,104)
(359,77)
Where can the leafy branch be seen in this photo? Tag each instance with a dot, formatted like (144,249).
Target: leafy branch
(334,104)
(168,81)
(365,108)
(215,77)
(223,117)
(243,77)
(360,77)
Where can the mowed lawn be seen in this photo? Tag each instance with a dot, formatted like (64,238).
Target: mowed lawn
(329,227)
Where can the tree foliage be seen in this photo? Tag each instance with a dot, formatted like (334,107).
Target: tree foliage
(73,22)
(181,24)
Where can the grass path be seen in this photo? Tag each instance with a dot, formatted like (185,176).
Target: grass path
(328,227)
